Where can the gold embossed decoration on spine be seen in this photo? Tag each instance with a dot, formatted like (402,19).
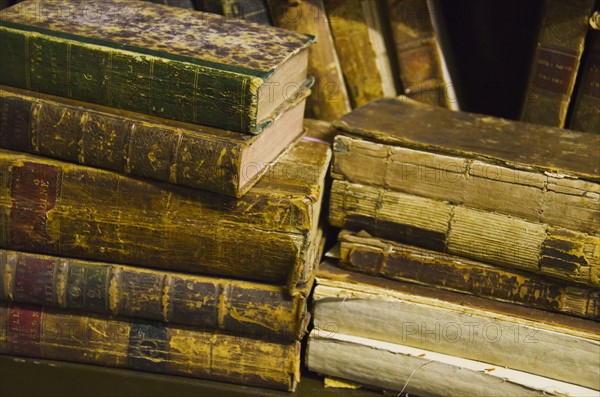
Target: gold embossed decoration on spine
(268,235)
(148,346)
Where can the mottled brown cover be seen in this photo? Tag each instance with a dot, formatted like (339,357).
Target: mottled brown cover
(148,346)
(556,61)
(230,305)
(269,235)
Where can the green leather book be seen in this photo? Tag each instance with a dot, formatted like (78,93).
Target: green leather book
(150,58)
(269,235)
(206,158)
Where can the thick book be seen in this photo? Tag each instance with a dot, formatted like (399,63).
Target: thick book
(202,157)
(463,326)
(330,99)
(560,44)
(421,372)
(269,235)
(236,306)
(585,114)
(154,59)
(483,236)
(538,173)
(358,34)
(422,66)
(32,331)
(248,10)
(363,253)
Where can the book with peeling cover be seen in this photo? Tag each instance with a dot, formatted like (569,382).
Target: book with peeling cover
(150,58)
(231,305)
(497,333)
(269,235)
(206,158)
(497,191)
(32,331)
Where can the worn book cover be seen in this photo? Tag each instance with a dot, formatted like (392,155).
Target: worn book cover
(269,235)
(498,333)
(243,307)
(422,372)
(482,162)
(586,108)
(357,28)
(329,100)
(202,157)
(403,262)
(150,58)
(33,331)
(556,60)
(421,61)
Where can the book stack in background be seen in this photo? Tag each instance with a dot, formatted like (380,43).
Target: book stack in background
(159,209)
(461,204)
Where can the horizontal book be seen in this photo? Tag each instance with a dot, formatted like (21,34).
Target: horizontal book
(488,237)
(371,255)
(555,67)
(537,173)
(421,372)
(31,331)
(186,154)
(150,58)
(269,235)
(358,34)
(330,99)
(501,334)
(240,307)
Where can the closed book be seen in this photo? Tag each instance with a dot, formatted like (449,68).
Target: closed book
(559,47)
(32,331)
(498,333)
(211,303)
(249,10)
(422,66)
(154,59)
(201,157)
(585,115)
(174,3)
(329,100)
(358,34)
(422,372)
(269,235)
(363,253)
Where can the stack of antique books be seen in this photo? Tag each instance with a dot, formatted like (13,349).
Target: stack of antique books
(159,207)
(494,224)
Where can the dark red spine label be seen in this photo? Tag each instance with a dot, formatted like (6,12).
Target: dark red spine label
(34,190)
(555,70)
(24,330)
(35,280)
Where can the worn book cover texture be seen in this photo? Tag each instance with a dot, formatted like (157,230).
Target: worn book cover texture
(150,58)
(404,262)
(556,60)
(586,109)
(147,346)
(242,307)
(202,157)
(329,100)
(498,333)
(269,235)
